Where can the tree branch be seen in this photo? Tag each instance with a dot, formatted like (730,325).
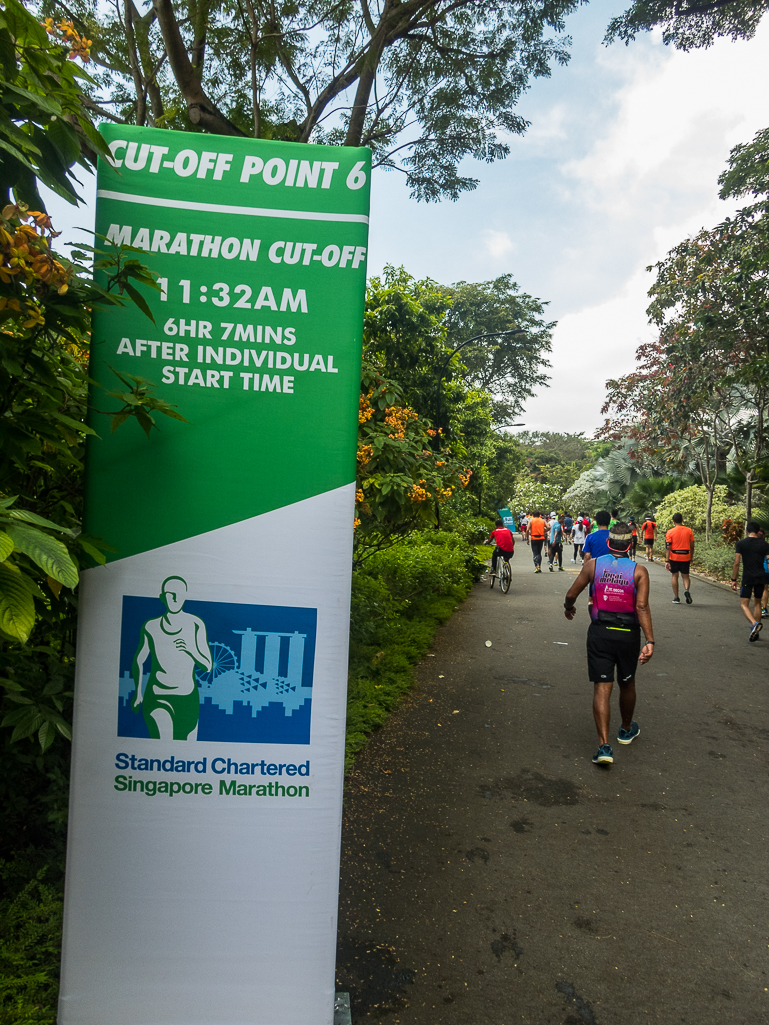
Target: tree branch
(200,109)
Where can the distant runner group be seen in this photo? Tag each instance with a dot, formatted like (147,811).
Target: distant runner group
(618,590)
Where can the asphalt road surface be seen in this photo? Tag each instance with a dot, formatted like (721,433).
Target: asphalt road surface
(492,874)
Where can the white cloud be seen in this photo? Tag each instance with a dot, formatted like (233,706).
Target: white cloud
(589,347)
(647,181)
(497,243)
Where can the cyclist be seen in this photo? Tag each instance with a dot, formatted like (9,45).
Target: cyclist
(504,543)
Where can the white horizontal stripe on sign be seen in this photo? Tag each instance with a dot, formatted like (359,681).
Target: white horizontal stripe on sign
(220,208)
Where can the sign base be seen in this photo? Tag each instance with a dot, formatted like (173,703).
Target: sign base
(342,1014)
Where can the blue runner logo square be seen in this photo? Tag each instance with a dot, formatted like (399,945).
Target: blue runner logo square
(215,671)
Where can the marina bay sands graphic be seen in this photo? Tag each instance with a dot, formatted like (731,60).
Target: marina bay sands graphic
(214,671)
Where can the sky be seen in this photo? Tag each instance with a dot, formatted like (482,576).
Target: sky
(620,163)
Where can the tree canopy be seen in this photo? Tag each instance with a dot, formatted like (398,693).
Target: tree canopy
(691,25)
(424,83)
(700,393)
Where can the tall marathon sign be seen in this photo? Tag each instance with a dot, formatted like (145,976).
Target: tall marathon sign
(203,859)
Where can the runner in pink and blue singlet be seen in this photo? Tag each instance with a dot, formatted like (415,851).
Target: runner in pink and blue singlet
(614,592)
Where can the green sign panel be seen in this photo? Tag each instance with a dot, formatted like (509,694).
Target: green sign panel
(261,253)
(507,518)
(210,698)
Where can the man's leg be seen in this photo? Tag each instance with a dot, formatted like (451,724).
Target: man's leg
(536,551)
(602,708)
(745,606)
(627,699)
(559,550)
(494,561)
(674,580)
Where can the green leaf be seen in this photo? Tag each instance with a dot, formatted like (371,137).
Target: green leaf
(145,420)
(30,724)
(6,545)
(95,554)
(46,735)
(76,425)
(140,301)
(118,419)
(17,609)
(63,727)
(30,517)
(11,685)
(46,551)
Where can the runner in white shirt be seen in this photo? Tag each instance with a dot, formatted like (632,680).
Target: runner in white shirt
(579,534)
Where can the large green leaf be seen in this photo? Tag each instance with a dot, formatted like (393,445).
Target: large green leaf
(46,551)
(30,517)
(17,609)
(6,546)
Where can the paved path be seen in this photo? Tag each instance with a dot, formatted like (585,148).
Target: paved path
(492,874)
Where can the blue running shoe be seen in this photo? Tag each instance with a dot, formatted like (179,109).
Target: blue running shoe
(755,630)
(628,736)
(604,755)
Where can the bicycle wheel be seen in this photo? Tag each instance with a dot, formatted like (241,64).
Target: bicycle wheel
(505,576)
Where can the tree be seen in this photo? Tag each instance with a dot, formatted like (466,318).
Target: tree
(45,128)
(401,478)
(689,25)
(509,367)
(45,304)
(424,83)
(531,494)
(702,390)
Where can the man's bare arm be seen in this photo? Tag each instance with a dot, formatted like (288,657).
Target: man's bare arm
(641,580)
(735,570)
(585,577)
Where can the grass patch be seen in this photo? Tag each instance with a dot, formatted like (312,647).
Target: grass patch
(399,599)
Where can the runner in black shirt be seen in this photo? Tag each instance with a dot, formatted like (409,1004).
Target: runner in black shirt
(752,550)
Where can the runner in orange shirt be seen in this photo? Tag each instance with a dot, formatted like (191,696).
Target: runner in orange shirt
(679,552)
(649,528)
(537,534)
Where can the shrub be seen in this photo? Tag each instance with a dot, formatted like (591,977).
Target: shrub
(399,599)
(692,504)
(715,557)
(30,943)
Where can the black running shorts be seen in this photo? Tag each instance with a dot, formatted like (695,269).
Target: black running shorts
(752,589)
(679,567)
(608,647)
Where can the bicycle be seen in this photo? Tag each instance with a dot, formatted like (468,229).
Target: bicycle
(504,574)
